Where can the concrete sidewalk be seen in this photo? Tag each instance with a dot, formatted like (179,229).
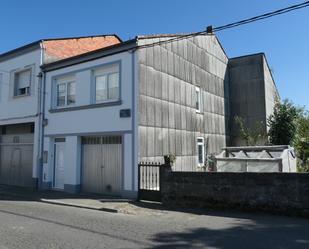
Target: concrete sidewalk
(86,201)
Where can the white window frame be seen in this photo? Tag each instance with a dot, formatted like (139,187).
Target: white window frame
(198,94)
(200,141)
(105,72)
(15,82)
(66,83)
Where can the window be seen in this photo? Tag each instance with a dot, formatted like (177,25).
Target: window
(198,99)
(107,84)
(200,151)
(66,93)
(22,82)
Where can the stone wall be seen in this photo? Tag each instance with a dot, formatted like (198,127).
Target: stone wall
(275,192)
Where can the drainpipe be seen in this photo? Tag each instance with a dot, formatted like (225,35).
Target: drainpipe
(42,129)
(40,141)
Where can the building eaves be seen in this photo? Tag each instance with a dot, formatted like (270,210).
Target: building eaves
(151,36)
(21,50)
(93,55)
(81,37)
(37,44)
(247,55)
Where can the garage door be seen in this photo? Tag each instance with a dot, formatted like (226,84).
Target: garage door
(16,159)
(102,164)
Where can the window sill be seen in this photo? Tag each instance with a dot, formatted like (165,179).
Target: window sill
(84,107)
(21,96)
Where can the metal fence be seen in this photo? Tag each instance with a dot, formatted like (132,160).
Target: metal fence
(149,181)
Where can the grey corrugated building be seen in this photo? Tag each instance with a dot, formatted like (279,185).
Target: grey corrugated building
(189,94)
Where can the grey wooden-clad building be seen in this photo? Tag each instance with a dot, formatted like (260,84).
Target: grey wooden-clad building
(189,94)
(183,97)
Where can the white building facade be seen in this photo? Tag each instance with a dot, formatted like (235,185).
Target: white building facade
(21,104)
(90,131)
(20,115)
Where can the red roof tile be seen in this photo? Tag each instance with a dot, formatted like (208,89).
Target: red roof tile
(59,49)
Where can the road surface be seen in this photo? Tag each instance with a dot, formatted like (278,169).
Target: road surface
(30,224)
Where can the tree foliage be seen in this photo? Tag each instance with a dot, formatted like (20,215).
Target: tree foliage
(283,123)
(301,143)
(290,125)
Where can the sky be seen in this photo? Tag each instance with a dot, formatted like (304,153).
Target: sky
(284,39)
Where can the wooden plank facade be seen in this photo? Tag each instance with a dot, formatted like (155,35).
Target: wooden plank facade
(168,75)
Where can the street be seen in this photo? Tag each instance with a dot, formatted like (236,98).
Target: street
(31,224)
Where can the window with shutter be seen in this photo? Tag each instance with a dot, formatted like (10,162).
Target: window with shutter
(22,82)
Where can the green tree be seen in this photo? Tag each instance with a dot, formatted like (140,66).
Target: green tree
(283,123)
(301,143)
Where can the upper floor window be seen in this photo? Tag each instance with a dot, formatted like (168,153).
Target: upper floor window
(65,93)
(198,99)
(107,84)
(22,82)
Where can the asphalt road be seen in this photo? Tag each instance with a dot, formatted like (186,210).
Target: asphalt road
(30,224)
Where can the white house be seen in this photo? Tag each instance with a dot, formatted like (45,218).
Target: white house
(21,101)
(89,132)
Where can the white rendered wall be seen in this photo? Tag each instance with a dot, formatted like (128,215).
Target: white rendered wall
(18,107)
(74,124)
(23,109)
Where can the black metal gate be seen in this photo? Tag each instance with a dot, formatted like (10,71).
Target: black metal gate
(149,181)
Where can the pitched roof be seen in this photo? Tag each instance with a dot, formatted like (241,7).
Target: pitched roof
(61,48)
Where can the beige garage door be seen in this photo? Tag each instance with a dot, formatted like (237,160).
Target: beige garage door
(16,159)
(102,165)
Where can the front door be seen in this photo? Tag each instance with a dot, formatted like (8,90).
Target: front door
(59,165)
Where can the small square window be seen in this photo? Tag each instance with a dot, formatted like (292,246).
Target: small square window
(22,82)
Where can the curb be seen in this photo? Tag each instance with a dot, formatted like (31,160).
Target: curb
(110,210)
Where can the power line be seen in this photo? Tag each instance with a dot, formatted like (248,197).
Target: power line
(232,25)
(263,16)
(210,30)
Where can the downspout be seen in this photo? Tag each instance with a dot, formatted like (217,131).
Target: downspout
(41,119)
(135,97)
(39,156)
(43,127)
